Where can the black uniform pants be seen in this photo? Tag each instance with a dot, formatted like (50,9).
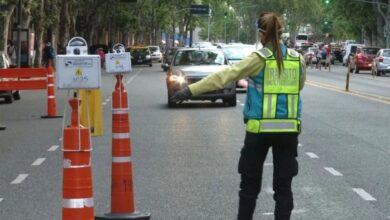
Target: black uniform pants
(253,154)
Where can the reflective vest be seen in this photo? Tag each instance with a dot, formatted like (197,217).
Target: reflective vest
(276,95)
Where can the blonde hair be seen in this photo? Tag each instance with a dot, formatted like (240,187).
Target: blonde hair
(271,27)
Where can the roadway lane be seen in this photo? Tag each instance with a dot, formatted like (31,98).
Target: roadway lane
(360,83)
(185,159)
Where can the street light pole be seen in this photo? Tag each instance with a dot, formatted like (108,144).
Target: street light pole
(225,32)
(208,27)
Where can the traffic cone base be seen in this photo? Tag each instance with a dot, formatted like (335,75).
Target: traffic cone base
(125,216)
(48,116)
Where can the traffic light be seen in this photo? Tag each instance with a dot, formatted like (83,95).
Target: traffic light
(225,14)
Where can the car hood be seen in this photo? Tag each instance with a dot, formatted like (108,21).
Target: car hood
(200,71)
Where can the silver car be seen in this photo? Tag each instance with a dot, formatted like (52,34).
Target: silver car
(381,62)
(190,65)
(234,54)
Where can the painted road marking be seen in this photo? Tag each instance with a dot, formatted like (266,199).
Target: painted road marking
(242,104)
(107,100)
(38,161)
(294,211)
(333,171)
(312,155)
(300,145)
(1,199)
(268,164)
(20,178)
(60,139)
(104,103)
(365,195)
(53,148)
(382,99)
(269,190)
(132,77)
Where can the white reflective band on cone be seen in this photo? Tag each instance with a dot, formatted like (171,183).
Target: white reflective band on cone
(120,110)
(50,75)
(51,97)
(120,135)
(121,159)
(68,164)
(50,85)
(77,203)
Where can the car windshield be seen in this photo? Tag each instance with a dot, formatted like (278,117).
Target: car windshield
(301,37)
(312,50)
(199,57)
(370,51)
(153,49)
(237,53)
(139,50)
(386,53)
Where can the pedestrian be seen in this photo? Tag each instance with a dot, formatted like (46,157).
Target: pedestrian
(272,115)
(11,51)
(48,55)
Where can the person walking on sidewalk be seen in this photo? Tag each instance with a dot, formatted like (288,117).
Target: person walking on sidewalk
(272,115)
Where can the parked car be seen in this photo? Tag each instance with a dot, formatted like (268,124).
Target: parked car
(168,57)
(140,55)
(362,60)
(8,95)
(234,54)
(337,53)
(350,51)
(381,62)
(310,56)
(156,53)
(190,65)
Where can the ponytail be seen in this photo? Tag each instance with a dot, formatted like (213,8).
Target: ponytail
(270,25)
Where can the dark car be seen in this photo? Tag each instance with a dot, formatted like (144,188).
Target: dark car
(168,57)
(191,65)
(140,56)
(8,95)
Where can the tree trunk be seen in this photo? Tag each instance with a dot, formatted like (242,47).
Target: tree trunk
(4,25)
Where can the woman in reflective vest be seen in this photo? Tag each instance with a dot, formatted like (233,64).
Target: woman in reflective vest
(272,115)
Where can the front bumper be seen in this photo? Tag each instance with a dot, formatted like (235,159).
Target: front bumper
(229,91)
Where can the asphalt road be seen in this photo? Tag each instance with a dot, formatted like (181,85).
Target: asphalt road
(185,158)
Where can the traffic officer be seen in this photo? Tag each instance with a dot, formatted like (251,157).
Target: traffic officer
(272,115)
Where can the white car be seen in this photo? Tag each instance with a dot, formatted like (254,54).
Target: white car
(156,53)
(381,62)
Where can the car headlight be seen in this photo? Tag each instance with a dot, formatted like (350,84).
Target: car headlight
(147,56)
(178,79)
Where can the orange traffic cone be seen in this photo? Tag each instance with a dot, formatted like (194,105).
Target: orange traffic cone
(51,97)
(122,194)
(77,197)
